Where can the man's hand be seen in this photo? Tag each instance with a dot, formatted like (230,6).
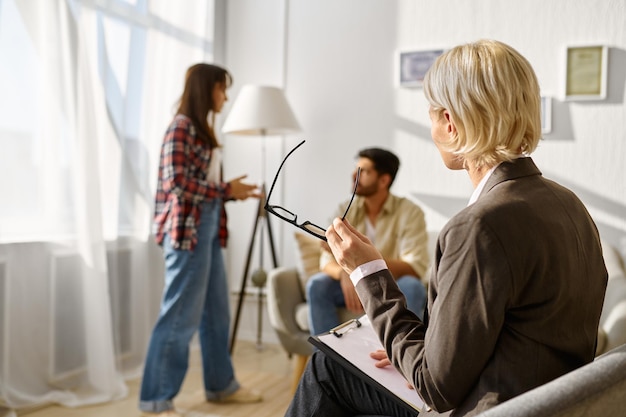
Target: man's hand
(353,302)
(349,247)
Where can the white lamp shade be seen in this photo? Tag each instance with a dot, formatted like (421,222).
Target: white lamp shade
(261,110)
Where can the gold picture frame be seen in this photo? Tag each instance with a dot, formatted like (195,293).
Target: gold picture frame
(586,72)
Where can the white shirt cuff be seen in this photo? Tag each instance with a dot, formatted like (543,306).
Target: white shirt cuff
(366,269)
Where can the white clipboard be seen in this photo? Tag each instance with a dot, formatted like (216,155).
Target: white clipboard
(350,345)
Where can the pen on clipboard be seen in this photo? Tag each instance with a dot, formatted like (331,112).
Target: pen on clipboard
(345,327)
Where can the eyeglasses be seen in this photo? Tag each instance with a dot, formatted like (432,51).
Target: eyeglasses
(290,217)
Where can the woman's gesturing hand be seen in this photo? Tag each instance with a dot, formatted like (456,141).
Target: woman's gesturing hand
(240,190)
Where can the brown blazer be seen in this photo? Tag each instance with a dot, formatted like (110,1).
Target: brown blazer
(515,296)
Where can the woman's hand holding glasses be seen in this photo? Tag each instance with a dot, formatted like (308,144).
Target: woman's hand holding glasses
(349,247)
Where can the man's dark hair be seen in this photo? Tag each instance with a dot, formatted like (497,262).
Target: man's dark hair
(385,162)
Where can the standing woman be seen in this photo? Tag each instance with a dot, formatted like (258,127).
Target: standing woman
(190,225)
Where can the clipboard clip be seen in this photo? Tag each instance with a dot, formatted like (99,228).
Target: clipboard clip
(345,327)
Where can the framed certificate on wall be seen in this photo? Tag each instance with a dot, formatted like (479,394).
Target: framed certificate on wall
(586,72)
(412,66)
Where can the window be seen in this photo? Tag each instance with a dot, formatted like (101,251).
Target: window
(139,50)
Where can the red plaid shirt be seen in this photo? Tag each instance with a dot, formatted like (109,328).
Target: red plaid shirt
(182,186)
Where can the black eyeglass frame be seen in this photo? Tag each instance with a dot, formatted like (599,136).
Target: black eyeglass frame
(294,221)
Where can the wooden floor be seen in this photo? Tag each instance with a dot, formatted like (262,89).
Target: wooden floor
(267,369)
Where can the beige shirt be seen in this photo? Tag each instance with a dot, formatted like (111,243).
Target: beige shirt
(400,231)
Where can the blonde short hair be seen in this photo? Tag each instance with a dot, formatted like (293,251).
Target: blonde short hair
(492,94)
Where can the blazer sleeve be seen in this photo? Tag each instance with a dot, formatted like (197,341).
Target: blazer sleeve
(466,308)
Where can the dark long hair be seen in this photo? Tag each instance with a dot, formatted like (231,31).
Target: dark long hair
(197,99)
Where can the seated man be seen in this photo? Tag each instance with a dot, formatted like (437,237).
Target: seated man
(395,226)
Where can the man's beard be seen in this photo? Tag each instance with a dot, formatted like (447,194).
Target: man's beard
(366,191)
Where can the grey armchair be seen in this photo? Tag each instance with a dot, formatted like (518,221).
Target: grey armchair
(288,314)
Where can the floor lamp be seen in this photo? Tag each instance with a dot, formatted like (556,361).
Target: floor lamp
(259,111)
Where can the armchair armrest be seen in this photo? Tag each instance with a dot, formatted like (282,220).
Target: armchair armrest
(284,294)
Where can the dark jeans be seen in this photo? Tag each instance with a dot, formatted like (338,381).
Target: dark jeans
(327,389)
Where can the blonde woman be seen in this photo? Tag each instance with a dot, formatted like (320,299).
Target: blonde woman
(518,278)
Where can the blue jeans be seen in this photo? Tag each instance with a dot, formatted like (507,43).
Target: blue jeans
(324,296)
(326,389)
(195,297)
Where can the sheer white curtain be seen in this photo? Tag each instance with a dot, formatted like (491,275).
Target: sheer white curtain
(88,88)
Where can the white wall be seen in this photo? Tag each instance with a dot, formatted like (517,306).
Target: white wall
(336,61)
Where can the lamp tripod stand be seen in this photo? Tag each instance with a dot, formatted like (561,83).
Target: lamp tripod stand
(259,276)
(259,110)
